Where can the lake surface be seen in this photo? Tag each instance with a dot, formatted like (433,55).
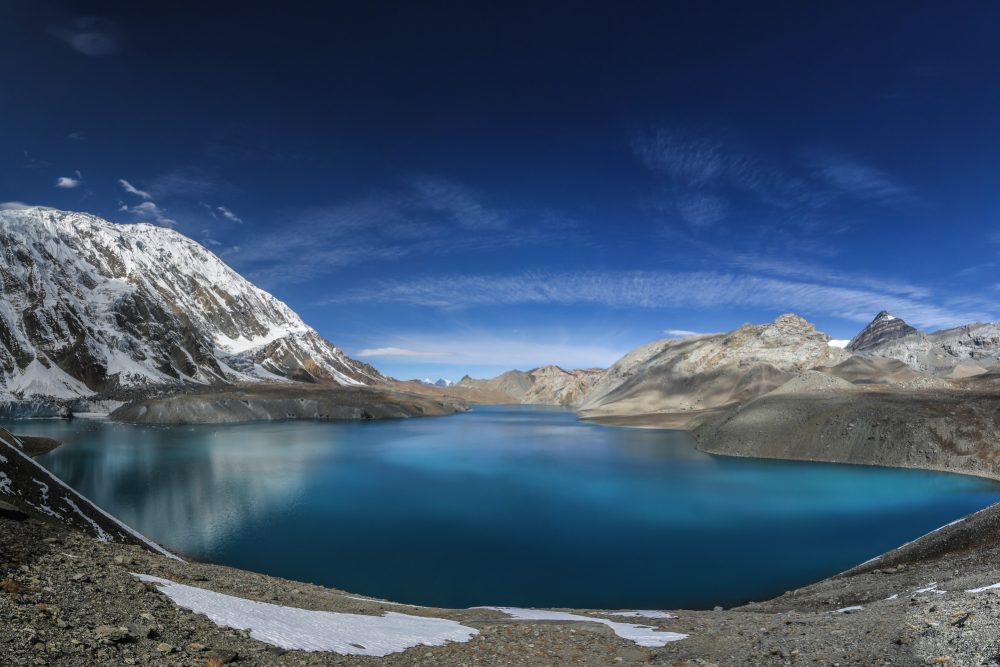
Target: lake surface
(503,505)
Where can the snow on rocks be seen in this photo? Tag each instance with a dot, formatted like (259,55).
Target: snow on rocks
(643,635)
(302,629)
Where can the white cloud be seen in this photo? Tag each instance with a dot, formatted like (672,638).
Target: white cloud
(131,189)
(228,215)
(148,210)
(67,182)
(663,289)
(398,352)
(18,206)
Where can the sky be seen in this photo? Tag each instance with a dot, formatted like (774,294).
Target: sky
(443,188)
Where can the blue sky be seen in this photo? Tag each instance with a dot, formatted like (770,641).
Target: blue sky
(449,188)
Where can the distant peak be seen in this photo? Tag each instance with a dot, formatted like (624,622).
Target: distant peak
(882,329)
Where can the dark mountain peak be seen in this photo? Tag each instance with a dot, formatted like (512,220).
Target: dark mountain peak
(882,329)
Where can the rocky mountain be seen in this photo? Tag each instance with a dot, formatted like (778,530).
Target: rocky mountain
(710,370)
(90,307)
(967,350)
(883,329)
(547,385)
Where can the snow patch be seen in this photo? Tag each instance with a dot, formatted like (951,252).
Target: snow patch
(642,613)
(305,630)
(983,589)
(5,485)
(930,588)
(849,610)
(643,635)
(838,343)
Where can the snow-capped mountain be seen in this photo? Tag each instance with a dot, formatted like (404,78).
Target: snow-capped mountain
(440,382)
(89,306)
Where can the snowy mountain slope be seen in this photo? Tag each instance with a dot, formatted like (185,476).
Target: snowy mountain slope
(89,307)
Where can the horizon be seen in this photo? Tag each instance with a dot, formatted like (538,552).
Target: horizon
(509,196)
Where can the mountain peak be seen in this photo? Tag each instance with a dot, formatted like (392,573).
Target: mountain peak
(883,328)
(98,307)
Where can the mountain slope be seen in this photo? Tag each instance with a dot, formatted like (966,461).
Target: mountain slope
(710,370)
(883,329)
(91,307)
(546,385)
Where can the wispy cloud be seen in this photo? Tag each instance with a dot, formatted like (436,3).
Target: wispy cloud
(68,182)
(864,181)
(228,215)
(148,211)
(681,333)
(460,204)
(132,190)
(399,352)
(663,290)
(186,181)
(708,178)
(426,218)
(526,351)
(93,36)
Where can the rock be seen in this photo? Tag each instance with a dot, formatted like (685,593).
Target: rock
(164,647)
(111,633)
(222,655)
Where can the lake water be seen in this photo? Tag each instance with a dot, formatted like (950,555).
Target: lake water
(501,506)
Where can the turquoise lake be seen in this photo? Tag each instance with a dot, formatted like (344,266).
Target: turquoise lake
(503,505)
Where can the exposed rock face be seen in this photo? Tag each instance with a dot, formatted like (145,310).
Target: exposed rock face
(547,385)
(555,386)
(711,370)
(944,428)
(960,352)
(91,307)
(881,330)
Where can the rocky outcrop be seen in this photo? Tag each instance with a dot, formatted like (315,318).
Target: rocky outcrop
(91,307)
(547,385)
(708,371)
(960,352)
(512,384)
(881,330)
